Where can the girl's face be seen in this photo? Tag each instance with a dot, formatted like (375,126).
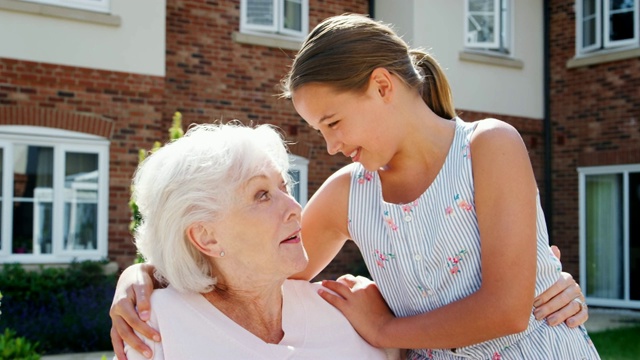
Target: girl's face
(351,123)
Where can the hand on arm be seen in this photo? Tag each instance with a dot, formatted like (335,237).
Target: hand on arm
(133,291)
(505,202)
(557,303)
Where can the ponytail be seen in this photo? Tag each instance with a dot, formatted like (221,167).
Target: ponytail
(435,89)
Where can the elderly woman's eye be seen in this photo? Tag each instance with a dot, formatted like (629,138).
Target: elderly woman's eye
(263,195)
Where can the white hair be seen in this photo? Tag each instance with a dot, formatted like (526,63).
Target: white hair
(190,180)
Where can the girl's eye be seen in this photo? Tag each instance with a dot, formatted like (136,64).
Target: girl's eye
(333,124)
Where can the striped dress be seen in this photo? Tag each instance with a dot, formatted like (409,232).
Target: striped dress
(426,254)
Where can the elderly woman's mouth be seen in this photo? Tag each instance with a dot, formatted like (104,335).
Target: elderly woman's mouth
(293,239)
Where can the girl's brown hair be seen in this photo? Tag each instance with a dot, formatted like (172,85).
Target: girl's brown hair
(344,50)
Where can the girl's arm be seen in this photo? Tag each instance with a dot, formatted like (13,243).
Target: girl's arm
(133,291)
(325,223)
(505,200)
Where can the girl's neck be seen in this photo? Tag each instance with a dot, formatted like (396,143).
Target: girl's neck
(414,168)
(259,311)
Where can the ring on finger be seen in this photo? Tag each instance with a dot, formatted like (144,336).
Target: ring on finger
(580,302)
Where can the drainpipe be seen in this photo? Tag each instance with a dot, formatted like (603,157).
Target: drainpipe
(548,151)
(372,5)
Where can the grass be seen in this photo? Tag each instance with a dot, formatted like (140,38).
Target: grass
(618,344)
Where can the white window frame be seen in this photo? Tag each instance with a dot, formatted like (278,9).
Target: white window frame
(62,142)
(602,42)
(623,170)
(276,29)
(301,165)
(103,6)
(503,26)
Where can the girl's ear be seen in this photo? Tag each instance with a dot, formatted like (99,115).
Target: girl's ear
(202,237)
(381,81)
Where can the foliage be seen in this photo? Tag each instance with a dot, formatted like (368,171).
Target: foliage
(618,344)
(65,310)
(175,132)
(13,347)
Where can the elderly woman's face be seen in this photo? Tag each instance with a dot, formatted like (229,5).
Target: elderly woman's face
(260,231)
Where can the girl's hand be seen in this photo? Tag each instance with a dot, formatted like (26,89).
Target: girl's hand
(558,303)
(359,299)
(133,290)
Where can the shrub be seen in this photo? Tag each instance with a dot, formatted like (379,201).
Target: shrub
(65,310)
(16,348)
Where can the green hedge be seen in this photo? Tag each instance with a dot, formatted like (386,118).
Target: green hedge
(62,309)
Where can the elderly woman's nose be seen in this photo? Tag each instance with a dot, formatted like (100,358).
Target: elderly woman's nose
(294,209)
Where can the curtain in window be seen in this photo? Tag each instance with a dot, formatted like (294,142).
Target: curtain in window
(260,12)
(604,234)
(81,201)
(33,194)
(293,15)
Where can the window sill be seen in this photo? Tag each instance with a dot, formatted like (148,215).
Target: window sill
(490,59)
(602,57)
(266,40)
(60,12)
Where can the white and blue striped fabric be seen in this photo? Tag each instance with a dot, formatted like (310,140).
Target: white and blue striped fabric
(426,254)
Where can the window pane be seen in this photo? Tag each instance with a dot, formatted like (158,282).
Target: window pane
(293,15)
(604,245)
(81,201)
(260,12)
(621,19)
(481,5)
(33,196)
(588,23)
(634,235)
(481,28)
(295,184)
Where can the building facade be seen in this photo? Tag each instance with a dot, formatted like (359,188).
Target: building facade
(85,84)
(84,87)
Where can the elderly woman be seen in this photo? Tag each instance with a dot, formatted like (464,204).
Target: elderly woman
(222,230)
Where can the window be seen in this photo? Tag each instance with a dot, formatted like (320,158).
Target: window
(91,5)
(610,235)
(289,18)
(606,24)
(53,195)
(299,176)
(488,25)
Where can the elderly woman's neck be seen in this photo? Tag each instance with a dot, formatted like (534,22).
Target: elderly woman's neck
(258,309)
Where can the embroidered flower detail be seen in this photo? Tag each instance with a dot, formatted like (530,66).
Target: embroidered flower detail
(555,260)
(496,356)
(423,292)
(381,257)
(364,175)
(586,336)
(407,208)
(466,151)
(454,261)
(389,221)
(463,204)
(448,211)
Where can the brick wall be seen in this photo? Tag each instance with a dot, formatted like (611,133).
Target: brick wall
(595,113)
(125,108)
(208,77)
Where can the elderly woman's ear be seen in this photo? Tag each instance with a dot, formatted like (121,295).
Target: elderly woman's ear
(203,238)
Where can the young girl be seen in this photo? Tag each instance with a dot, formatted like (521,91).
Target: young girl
(445,212)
